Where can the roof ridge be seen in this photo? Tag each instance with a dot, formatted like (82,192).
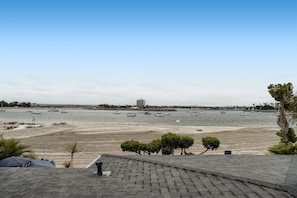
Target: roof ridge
(215,173)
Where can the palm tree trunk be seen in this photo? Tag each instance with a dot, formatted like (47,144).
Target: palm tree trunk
(283,123)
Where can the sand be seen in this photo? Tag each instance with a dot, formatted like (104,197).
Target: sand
(49,141)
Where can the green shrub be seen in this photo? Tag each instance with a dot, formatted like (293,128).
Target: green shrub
(210,143)
(166,150)
(170,140)
(291,135)
(13,147)
(131,146)
(184,143)
(154,146)
(167,143)
(284,149)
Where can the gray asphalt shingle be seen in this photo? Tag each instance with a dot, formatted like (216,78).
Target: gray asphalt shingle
(155,176)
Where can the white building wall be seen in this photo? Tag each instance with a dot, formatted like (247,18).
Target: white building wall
(140,103)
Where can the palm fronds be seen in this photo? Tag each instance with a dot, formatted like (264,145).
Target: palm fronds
(13,147)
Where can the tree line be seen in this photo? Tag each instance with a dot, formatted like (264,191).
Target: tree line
(15,104)
(167,144)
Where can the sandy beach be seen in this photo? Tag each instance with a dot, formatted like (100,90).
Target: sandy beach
(49,141)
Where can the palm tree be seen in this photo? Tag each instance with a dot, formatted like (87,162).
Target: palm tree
(13,147)
(284,95)
(293,108)
(72,148)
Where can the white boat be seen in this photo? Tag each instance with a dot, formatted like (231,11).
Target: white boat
(131,114)
(223,112)
(116,112)
(63,111)
(243,114)
(194,113)
(35,112)
(53,110)
(159,114)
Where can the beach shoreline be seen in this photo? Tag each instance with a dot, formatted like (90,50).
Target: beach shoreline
(49,141)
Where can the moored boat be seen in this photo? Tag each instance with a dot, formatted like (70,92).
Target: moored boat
(147,113)
(53,110)
(159,114)
(131,114)
(35,112)
(195,113)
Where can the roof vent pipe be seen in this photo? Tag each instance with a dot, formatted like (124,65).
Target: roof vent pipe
(99,167)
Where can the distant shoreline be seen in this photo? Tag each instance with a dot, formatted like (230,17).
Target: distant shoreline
(147,108)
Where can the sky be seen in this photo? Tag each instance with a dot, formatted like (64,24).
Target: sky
(193,52)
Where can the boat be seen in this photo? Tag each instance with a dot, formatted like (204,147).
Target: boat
(53,110)
(243,114)
(131,114)
(35,112)
(147,113)
(223,112)
(116,112)
(10,126)
(63,111)
(159,114)
(194,113)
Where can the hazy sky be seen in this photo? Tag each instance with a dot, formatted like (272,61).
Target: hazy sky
(206,52)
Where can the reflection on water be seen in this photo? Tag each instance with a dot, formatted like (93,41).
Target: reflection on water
(180,117)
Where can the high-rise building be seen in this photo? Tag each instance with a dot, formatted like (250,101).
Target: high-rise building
(140,103)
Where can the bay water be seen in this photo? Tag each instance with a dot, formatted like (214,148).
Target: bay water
(180,117)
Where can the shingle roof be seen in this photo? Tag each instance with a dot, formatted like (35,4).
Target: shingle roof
(160,176)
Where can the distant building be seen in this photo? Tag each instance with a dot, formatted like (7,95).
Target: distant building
(140,103)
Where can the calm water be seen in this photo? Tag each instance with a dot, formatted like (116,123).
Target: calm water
(207,118)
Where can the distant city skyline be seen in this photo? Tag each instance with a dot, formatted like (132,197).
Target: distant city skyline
(199,53)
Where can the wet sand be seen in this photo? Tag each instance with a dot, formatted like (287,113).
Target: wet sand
(49,141)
